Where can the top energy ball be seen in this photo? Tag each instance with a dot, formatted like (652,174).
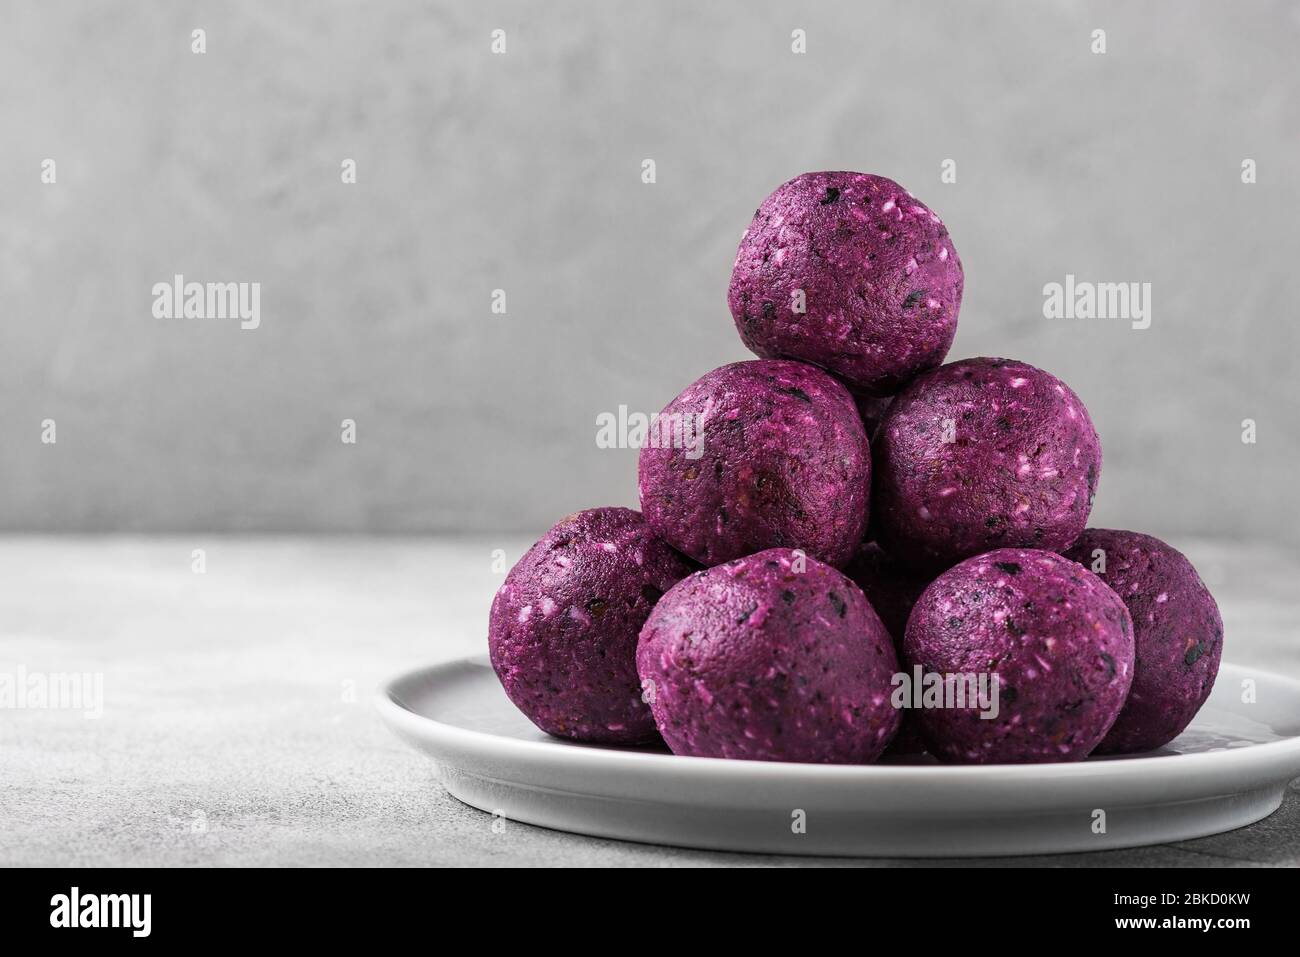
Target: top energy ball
(849,272)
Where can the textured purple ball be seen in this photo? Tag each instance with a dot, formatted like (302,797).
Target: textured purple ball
(1176,627)
(981,454)
(1059,641)
(850,272)
(772,657)
(783,462)
(564,625)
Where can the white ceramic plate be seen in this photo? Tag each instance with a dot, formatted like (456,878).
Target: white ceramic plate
(1227,770)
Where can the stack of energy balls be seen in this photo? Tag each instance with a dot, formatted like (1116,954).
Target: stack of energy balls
(855,513)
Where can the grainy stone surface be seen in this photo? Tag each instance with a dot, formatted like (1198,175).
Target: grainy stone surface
(226,697)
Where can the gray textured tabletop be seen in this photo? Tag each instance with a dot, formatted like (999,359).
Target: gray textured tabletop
(238,726)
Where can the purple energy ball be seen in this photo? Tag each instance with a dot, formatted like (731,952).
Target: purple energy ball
(782,461)
(981,454)
(564,625)
(1176,627)
(1058,640)
(850,272)
(892,590)
(760,660)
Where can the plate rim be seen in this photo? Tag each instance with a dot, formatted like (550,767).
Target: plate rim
(408,723)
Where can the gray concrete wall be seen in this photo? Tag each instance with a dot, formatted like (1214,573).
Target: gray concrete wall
(522,172)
